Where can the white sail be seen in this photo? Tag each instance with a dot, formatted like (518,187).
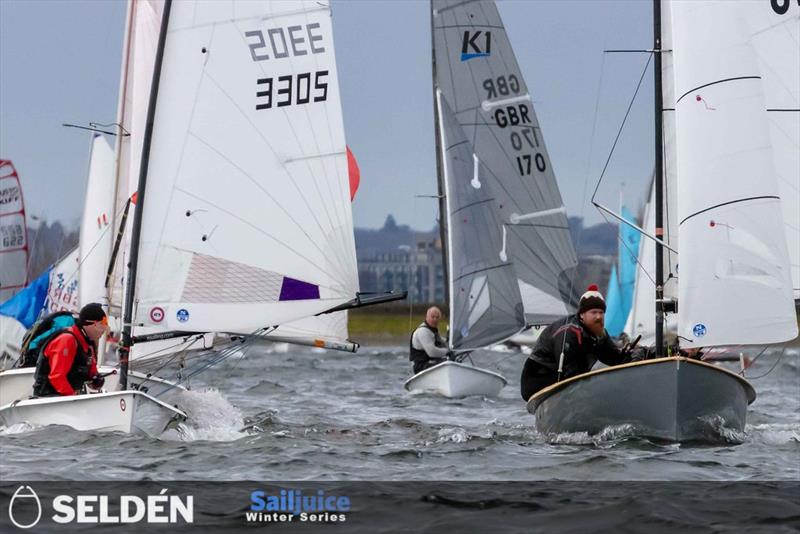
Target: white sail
(246,218)
(13,233)
(735,284)
(642,318)
(774,33)
(139,53)
(63,293)
(96,226)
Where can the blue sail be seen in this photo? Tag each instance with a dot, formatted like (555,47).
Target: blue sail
(628,249)
(619,296)
(26,305)
(615,314)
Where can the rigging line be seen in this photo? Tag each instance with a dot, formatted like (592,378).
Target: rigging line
(635,256)
(574,275)
(169,358)
(621,126)
(774,365)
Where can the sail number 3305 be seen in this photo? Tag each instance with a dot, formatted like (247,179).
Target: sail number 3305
(292,89)
(278,43)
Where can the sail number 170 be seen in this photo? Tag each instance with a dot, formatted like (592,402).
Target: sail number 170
(292,89)
(526,138)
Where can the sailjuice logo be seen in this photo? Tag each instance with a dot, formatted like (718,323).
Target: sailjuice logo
(25,508)
(293,505)
(476,44)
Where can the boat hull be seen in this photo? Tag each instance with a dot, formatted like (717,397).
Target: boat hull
(17,384)
(670,399)
(117,411)
(453,379)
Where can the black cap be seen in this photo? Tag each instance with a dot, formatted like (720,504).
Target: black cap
(90,313)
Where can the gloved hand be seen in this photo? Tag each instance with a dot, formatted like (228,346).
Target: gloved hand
(98,381)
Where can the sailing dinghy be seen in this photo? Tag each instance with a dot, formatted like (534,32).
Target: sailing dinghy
(735,285)
(506,243)
(242,218)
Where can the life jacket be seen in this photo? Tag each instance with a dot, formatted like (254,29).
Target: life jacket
(419,355)
(77,375)
(40,335)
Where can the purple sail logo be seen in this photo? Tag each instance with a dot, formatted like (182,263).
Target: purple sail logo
(25,509)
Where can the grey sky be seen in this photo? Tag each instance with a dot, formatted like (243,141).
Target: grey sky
(60,62)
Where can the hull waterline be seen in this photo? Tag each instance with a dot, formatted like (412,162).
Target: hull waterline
(670,399)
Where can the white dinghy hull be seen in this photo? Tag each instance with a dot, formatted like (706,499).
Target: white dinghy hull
(17,384)
(669,399)
(453,379)
(117,411)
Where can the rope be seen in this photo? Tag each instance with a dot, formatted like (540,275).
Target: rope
(774,365)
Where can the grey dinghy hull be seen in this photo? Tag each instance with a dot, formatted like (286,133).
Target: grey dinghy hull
(670,399)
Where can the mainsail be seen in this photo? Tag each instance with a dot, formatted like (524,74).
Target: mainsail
(485,302)
(479,78)
(13,233)
(735,287)
(246,221)
(773,31)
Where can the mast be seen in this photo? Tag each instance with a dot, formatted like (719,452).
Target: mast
(127,320)
(659,177)
(439,174)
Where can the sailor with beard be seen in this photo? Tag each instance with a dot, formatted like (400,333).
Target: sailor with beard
(582,338)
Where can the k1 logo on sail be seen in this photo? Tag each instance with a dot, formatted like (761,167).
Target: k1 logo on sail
(473,41)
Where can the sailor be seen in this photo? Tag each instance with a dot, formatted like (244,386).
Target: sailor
(582,338)
(427,348)
(69,358)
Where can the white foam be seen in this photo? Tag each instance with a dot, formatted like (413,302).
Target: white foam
(210,417)
(774,434)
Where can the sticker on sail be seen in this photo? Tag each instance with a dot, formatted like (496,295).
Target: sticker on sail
(476,44)
(182,315)
(699,330)
(157,314)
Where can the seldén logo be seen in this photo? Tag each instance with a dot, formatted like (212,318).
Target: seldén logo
(25,508)
(471,45)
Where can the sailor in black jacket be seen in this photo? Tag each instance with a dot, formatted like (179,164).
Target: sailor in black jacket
(582,338)
(426,347)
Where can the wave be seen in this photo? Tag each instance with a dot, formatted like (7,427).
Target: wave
(210,417)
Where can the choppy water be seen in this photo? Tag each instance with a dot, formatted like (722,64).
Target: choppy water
(305,414)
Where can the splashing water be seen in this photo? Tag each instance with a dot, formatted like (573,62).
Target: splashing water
(210,417)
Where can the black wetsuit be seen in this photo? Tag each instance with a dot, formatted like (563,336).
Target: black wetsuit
(581,351)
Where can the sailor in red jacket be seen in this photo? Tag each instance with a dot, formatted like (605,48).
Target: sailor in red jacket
(70,358)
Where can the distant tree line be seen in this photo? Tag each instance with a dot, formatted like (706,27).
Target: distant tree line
(48,243)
